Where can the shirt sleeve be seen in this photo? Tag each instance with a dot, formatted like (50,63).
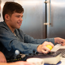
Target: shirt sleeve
(10,42)
(30,39)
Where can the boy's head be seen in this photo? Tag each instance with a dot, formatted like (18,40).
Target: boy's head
(11,7)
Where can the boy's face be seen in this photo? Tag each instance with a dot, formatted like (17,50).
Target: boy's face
(15,20)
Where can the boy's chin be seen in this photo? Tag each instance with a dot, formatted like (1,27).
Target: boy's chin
(18,28)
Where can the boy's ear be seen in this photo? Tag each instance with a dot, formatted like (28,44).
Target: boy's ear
(7,17)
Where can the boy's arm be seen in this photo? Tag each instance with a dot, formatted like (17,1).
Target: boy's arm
(17,63)
(2,58)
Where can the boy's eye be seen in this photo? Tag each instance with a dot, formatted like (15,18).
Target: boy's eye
(17,16)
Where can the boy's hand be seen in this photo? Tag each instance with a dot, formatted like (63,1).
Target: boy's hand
(43,49)
(60,40)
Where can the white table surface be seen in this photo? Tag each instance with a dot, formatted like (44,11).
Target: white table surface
(62,61)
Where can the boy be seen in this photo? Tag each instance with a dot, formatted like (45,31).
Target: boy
(13,38)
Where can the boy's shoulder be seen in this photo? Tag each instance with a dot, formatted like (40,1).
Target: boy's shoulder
(2,23)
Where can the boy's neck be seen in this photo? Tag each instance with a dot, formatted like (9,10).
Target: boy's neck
(11,28)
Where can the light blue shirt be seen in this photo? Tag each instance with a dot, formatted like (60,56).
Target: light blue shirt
(22,42)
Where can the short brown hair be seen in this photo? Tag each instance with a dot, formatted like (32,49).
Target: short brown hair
(11,7)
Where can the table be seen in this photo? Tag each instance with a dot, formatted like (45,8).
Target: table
(62,62)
